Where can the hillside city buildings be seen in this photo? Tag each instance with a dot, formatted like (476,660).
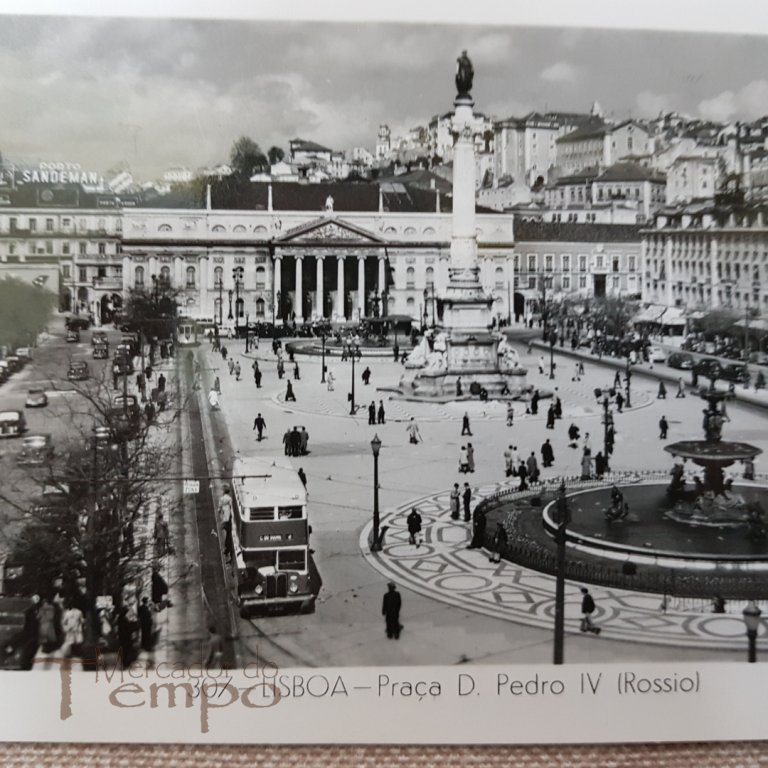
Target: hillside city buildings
(570,205)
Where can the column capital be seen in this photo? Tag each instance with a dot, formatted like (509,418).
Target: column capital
(361,256)
(298,255)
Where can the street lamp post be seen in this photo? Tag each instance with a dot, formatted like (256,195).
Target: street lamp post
(605,394)
(322,369)
(426,315)
(433,306)
(247,332)
(230,316)
(552,342)
(751,616)
(375,447)
(236,276)
(563,519)
(353,353)
(221,302)
(628,377)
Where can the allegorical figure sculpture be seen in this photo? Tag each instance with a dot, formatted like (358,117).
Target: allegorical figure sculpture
(464,75)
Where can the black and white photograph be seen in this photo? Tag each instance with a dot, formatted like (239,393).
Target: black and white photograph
(387,346)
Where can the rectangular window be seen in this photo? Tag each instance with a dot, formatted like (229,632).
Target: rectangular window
(531,262)
(13,223)
(49,246)
(566,262)
(517,282)
(33,225)
(599,261)
(65,247)
(82,275)
(531,282)
(583,281)
(566,283)
(548,262)
(632,263)
(65,271)
(49,225)
(548,282)
(11,248)
(582,263)
(616,282)
(66,222)
(102,249)
(615,263)
(82,248)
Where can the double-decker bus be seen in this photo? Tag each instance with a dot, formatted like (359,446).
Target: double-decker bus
(270,532)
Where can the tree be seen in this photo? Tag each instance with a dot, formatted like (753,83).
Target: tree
(275,155)
(25,310)
(246,158)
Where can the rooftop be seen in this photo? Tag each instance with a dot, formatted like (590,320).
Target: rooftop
(554,231)
(630,172)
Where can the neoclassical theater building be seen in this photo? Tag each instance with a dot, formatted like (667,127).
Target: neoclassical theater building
(298,252)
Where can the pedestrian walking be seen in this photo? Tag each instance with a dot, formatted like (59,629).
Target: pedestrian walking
(280,369)
(509,466)
(366,376)
(547,454)
(260,425)
(381,412)
(470,458)
(662,392)
(535,402)
(329,379)
(586,467)
(395,352)
(296,376)
(532,465)
(372,413)
(478,528)
(465,429)
(231,366)
(581,369)
(541,363)
(72,624)
(224,353)
(619,402)
(587,444)
(412,429)
(287,441)
(302,477)
(601,464)
(159,590)
(390,609)
(498,543)
(558,408)
(463,466)
(510,414)
(587,609)
(663,428)
(225,515)
(551,416)
(217,386)
(459,390)
(162,536)
(146,624)
(455,496)
(573,436)
(238,370)
(161,383)
(257,378)
(522,473)
(466,498)
(413,522)
(680,388)
(289,395)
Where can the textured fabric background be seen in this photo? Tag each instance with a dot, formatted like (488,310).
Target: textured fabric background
(714,755)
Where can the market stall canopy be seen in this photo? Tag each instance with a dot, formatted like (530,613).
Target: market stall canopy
(753,325)
(661,315)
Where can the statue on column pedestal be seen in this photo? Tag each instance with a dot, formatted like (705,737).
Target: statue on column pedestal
(464,75)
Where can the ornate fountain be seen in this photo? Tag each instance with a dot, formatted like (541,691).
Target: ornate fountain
(711,500)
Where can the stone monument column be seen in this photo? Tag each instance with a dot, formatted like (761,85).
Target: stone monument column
(320,297)
(277,283)
(298,300)
(361,286)
(340,287)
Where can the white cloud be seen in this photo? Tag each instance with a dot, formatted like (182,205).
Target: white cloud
(650,103)
(560,72)
(748,102)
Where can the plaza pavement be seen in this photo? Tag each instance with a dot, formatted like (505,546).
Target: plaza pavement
(458,619)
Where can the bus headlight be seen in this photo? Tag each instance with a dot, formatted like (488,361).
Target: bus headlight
(259,589)
(293,588)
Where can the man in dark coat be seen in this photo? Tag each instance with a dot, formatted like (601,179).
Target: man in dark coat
(465,428)
(390,609)
(547,453)
(295,442)
(381,412)
(161,383)
(467,499)
(535,402)
(551,417)
(619,402)
(522,473)
(289,392)
(372,413)
(414,526)
(366,375)
(478,528)
(260,425)
(663,427)
(558,408)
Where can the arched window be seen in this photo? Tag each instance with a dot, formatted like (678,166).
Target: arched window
(261,277)
(499,278)
(217,309)
(138,277)
(410,277)
(410,304)
(240,307)
(165,276)
(260,306)
(430,277)
(218,277)
(190,277)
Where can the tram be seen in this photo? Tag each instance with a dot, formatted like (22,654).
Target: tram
(270,531)
(187,332)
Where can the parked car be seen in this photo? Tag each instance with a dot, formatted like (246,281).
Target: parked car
(708,366)
(125,417)
(680,360)
(73,336)
(78,323)
(78,371)
(5,370)
(35,450)
(12,423)
(99,337)
(36,398)
(657,355)
(736,372)
(15,363)
(25,353)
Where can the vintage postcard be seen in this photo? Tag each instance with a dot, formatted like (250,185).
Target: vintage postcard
(363,377)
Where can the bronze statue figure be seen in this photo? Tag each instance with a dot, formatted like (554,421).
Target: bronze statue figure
(464,74)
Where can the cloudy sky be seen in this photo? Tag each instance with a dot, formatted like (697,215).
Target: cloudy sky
(154,93)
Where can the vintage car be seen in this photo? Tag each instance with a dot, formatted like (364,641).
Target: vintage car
(78,371)
(681,360)
(124,418)
(35,450)
(101,350)
(25,353)
(735,372)
(657,355)
(73,336)
(708,367)
(12,423)
(78,323)
(99,337)
(122,364)
(36,398)
(15,363)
